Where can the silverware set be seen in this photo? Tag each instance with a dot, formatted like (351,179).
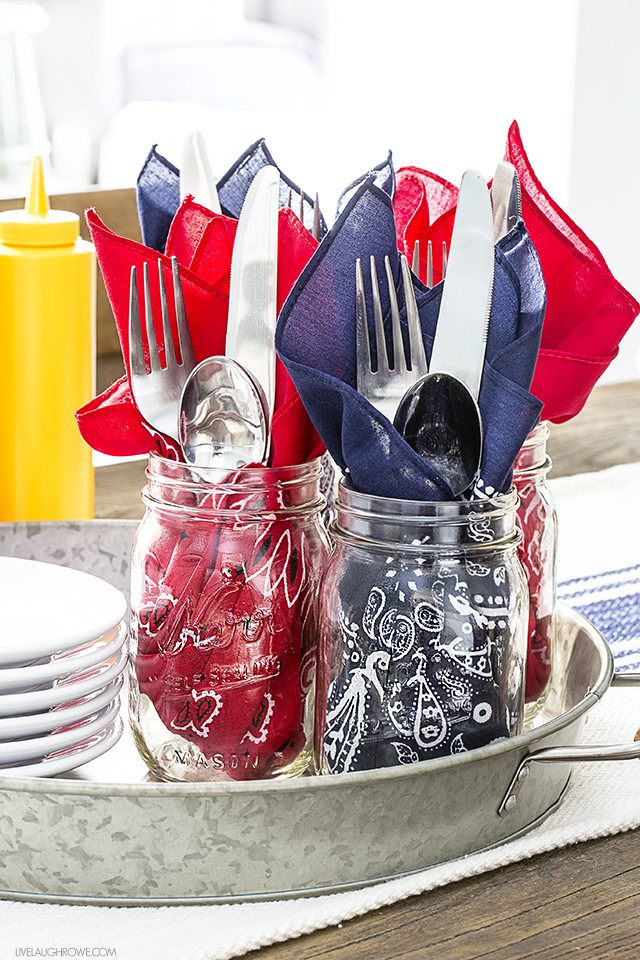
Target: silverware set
(435,407)
(220,410)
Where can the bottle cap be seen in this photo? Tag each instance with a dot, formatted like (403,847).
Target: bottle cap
(37,225)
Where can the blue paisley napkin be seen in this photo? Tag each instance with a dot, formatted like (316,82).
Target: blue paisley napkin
(315,338)
(158,192)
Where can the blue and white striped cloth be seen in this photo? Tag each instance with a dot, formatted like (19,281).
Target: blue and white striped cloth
(611,601)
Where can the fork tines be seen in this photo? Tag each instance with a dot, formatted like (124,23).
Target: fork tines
(384,386)
(315,231)
(136,350)
(315,228)
(415,261)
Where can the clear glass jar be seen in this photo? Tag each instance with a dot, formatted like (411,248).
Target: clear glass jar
(538,520)
(423,623)
(225,578)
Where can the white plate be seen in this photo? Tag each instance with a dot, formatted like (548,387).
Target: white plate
(24,750)
(65,690)
(75,756)
(13,728)
(16,679)
(47,609)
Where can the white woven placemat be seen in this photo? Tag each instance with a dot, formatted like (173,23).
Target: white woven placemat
(602,798)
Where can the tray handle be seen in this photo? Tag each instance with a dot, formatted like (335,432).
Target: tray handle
(573,753)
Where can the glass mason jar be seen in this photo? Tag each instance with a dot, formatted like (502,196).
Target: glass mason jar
(538,520)
(423,623)
(225,577)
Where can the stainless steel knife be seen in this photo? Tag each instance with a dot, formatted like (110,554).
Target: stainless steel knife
(505,200)
(196,175)
(254,276)
(463,321)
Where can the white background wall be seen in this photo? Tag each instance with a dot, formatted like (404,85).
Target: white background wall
(439,82)
(604,185)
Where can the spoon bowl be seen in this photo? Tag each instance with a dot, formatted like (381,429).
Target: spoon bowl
(439,417)
(224,416)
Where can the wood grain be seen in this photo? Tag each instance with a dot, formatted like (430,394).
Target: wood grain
(118,489)
(581,901)
(606,432)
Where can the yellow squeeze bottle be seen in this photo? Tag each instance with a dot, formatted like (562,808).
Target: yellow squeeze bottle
(47,333)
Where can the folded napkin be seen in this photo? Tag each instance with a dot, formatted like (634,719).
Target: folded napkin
(588,311)
(383,175)
(158,192)
(202,242)
(315,338)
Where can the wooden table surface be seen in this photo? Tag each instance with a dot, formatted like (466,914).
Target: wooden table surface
(581,901)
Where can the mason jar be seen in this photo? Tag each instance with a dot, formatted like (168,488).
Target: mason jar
(538,520)
(423,623)
(225,579)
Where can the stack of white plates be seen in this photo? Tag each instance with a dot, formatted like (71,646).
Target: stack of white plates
(62,656)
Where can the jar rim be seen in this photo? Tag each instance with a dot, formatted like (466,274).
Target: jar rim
(416,526)
(292,473)
(540,433)
(251,492)
(385,507)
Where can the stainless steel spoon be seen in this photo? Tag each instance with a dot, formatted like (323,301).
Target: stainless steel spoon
(439,417)
(224,416)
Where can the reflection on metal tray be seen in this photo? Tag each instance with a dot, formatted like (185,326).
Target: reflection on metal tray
(109,834)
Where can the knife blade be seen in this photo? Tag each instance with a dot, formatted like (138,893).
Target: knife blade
(196,175)
(463,321)
(505,200)
(254,277)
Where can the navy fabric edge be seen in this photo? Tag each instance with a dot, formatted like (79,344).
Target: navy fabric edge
(318,256)
(153,153)
(262,143)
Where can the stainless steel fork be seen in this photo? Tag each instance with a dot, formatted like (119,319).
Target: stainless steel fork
(415,261)
(315,229)
(385,386)
(157,390)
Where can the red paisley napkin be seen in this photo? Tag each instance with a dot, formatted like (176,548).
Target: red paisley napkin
(222,614)
(225,634)
(588,311)
(202,241)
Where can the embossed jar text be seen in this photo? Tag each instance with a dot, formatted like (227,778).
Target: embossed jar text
(225,581)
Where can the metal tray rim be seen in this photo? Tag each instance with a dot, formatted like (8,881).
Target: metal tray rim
(522,742)
(307,892)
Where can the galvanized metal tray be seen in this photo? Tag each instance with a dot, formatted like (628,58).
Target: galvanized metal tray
(110,834)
